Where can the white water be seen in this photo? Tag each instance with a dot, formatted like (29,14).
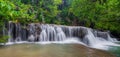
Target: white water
(47,34)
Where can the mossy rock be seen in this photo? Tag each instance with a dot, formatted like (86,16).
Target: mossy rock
(3,39)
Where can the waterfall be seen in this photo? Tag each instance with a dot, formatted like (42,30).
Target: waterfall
(36,32)
(90,38)
(9,32)
(111,39)
(99,40)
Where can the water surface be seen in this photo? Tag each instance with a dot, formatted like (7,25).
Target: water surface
(115,50)
(51,50)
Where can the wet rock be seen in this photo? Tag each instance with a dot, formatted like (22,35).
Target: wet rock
(101,34)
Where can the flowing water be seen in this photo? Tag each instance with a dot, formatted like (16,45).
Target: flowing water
(50,33)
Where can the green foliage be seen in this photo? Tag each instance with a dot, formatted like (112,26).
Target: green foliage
(6,9)
(44,10)
(13,10)
(99,14)
(3,39)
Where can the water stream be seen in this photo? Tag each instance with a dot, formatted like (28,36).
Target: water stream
(75,39)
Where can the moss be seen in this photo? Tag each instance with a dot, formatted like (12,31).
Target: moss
(3,39)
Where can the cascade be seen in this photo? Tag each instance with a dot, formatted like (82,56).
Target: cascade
(36,32)
(90,38)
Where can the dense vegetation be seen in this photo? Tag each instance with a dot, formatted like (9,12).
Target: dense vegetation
(98,14)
